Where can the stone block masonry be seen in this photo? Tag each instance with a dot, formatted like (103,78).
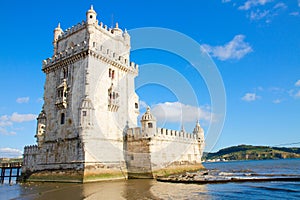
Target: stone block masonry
(87,129)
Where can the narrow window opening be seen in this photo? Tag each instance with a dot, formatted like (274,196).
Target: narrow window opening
(136,105)
(109,73)
(91,16)
(150,125)
(113,74)
(62,118)
(84,113)
(65,73)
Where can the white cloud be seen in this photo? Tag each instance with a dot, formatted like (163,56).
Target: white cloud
(10,153)
(22,117)
(258,14)
(297,94)
(4,131)
(178,112)
(277,101)
(22,100)
(294,13)
(235,49)
(280,5)
(297,84)
(299,3)
(253,3)
(143,104)
(250,97)
(6,122)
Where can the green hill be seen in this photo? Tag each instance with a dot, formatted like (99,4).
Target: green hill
(249,152)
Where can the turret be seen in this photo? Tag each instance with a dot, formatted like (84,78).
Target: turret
(91,16)
(117,30)
(41,127)
(126,38)
(148,123)
(86,113)
(57,32)
(199,132)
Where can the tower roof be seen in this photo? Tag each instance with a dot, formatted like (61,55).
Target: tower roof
(91,10)
(148,116)
(198,128)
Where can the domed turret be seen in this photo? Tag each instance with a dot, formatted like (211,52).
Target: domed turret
(117,30)
(126,38)
(148,122)
(57,32)
(91,15)
(86,113)
(198,130)
(41,128)
(147,116)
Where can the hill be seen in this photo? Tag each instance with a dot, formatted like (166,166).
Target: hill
(249,152)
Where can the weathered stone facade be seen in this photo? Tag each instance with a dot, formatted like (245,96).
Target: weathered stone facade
(84,130)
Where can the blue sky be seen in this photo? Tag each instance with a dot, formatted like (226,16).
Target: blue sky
(255,45)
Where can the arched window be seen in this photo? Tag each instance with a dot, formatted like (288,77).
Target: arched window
(150,125)
(136,105)
(62,118)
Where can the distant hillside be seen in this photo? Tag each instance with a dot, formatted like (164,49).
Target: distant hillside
(248,152)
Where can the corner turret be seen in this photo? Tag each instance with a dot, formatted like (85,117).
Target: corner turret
(126,38)
(199,132)
(148,123)
(41,127)
(57,32)
(91,16)
(117,30)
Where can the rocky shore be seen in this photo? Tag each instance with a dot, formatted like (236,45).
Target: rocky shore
(215,176)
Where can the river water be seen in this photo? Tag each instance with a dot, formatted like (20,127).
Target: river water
(151,189)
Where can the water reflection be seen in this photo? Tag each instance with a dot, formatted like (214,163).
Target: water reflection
(131,189)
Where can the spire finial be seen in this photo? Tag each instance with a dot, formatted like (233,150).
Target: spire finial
(92,8)
(58,25)
(182,128)
(117,25)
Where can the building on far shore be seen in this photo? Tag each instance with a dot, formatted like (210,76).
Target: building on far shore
(87,130)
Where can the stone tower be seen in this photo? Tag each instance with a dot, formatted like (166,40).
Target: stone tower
(87,129)
(89,102)
(148,123)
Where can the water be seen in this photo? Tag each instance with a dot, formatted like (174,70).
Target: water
(151,189)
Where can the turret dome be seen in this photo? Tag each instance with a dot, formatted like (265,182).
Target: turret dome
(148,116)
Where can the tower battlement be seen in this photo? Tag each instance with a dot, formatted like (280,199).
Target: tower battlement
(85,129)
(137,133)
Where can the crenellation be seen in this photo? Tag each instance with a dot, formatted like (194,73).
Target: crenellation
(88,120)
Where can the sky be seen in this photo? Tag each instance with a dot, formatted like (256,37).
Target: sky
(254,45)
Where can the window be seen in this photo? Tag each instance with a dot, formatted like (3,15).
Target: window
(113,74)
(65,73)
(150,125)
(136,105)
(62,118)
(91,16)
(84,113)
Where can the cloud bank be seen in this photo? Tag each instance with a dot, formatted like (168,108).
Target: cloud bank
(237,48)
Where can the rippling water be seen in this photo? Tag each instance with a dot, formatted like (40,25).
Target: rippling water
(151,189)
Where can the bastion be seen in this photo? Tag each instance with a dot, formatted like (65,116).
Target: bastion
(87,130)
